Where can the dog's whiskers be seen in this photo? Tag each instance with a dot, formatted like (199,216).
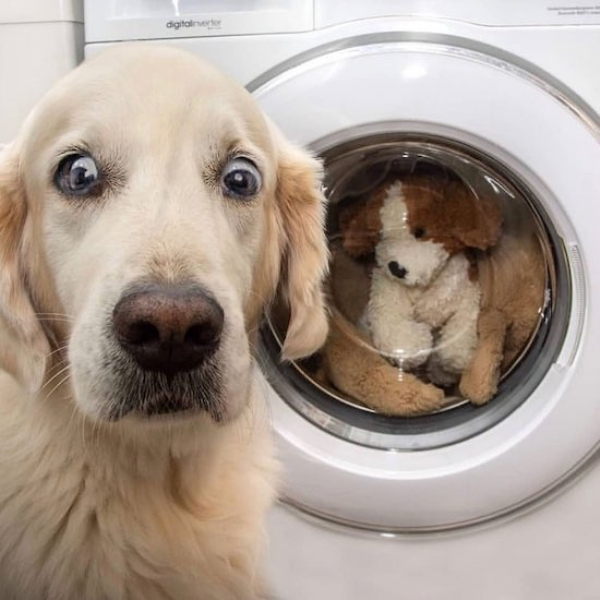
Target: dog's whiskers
(42,316)
(62,381)
(58,350)
(64,372)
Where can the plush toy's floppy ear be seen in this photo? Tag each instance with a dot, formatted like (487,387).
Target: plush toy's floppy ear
(480,222)
(302,218)
(360,224)
(24,347)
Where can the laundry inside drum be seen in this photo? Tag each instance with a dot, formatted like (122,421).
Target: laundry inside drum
(443,284)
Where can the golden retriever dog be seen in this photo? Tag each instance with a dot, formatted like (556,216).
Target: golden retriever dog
(148,213)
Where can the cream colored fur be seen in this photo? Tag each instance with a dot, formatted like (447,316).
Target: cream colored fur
(143,508)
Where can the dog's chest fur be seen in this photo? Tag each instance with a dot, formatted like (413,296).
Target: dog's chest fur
(82,519)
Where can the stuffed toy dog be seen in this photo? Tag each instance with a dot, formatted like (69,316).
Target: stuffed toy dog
(416,309)
(350,361)
(474,285)
(424,297)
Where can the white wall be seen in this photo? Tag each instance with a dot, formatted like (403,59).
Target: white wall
(40,40)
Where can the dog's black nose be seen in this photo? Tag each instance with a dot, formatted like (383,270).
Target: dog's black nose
(397,270)
(168,329)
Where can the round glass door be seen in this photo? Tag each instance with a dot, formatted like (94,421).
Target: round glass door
(443,294)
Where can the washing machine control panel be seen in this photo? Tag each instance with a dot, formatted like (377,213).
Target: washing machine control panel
(162,19)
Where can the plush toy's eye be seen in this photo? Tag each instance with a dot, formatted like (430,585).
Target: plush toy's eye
(419,232)
(241,179)
(78,175)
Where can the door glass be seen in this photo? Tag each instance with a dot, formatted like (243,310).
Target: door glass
(448,295)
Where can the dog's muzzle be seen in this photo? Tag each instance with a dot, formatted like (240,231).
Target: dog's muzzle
(170,332)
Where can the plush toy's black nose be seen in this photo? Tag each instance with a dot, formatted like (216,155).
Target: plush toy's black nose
(397,270)
(168,329)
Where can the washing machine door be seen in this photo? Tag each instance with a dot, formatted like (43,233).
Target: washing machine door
(383,111)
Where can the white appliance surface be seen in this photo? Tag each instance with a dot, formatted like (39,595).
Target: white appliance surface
(502,506)
(548,553)
(40,40)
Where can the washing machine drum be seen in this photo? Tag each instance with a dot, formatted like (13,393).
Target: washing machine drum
(456,383)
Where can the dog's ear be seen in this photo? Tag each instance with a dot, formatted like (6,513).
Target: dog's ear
(24,347)
(301,205)
(479,223)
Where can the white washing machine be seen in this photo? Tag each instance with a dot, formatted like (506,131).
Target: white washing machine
(493,502)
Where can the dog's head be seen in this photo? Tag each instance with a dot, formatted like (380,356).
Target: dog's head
(148,212)
(420,223)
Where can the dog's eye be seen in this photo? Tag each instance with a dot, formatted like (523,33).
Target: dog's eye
(78,175)
(240,178)
(419,232)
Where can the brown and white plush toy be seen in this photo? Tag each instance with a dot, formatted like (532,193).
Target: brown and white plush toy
(421,306)
(425,296)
